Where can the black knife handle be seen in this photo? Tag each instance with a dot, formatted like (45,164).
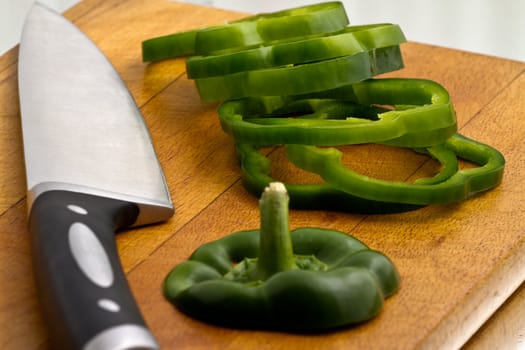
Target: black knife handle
(85,297)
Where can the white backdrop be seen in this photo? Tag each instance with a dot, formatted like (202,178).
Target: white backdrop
(12,15)
(493,27)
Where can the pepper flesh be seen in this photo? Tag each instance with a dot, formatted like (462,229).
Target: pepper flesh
(290,80)
(349,41)
(330,280)
(248,31)
(461,185)
(429,120)
(256,176)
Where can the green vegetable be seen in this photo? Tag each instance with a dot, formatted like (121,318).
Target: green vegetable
(256,177)
(249,31)
(349,41)
(426,116)
(461,185)
(299,79)
(307,279)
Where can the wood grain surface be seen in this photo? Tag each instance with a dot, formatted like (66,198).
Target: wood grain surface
(458,263)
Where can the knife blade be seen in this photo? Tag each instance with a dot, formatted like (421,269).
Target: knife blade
(91,170)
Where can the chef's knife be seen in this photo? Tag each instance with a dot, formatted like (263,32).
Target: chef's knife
(91,170)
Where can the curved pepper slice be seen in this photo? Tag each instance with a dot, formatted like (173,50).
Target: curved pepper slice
(307,279)
(378,35)
(460,186)
(290,80)
(249,31)
(256,170)
(427,117)
(349,41)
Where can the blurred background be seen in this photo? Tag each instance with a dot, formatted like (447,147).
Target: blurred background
(12,15)
(491,27)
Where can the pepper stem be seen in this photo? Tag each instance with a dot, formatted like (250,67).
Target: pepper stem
(275,250)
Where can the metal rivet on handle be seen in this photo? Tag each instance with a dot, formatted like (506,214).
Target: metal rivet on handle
(90,255)
(108,305)
(77,209)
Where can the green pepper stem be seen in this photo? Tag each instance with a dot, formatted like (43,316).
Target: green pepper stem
(275,250)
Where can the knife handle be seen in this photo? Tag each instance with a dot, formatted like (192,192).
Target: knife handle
(85,297)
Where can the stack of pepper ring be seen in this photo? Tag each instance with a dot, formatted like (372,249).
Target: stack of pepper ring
(374,38)
(304,78)
(232,61)
(291,67)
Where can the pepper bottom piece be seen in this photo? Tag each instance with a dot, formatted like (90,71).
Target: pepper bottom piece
(307,280)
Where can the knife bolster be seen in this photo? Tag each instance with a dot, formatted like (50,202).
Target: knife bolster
(149,210)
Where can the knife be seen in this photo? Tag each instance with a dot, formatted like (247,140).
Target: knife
(91,170)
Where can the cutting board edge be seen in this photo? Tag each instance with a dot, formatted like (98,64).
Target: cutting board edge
(459,326)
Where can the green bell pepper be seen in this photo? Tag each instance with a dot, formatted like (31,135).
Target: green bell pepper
(424,117)
(307,279)
(256,177)
(461,185)
(298,79)
(248,31)
(347,42)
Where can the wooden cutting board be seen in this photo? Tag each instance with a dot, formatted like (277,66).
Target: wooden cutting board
(458,263)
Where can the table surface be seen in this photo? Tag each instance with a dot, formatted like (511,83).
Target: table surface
(458,263)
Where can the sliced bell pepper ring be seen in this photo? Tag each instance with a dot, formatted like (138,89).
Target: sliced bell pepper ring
(429,121)
(307,279)
(256,177)
(422,98)
(290,80)
(275,55)
(448,160)
(293,52)
(377,35)
(293,23)
(169,46)
(463,184)
(249,31)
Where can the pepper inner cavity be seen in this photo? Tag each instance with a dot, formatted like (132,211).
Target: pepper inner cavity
(244,271)
(388,163)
